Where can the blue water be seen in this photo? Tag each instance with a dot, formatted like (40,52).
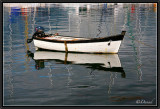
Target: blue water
(83,82)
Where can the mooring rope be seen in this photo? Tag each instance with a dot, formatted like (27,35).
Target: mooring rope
(140,42)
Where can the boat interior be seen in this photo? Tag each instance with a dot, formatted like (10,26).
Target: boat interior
(64,38)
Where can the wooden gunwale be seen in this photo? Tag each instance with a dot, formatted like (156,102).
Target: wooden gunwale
(84,40)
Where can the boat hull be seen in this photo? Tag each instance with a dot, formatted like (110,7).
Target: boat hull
(91,47)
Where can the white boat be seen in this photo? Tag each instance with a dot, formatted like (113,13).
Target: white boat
(105,62)
(110,44)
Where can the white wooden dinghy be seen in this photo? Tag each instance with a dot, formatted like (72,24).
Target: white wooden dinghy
(105,62)
(110,44)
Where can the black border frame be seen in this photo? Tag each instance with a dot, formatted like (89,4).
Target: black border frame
(76,1)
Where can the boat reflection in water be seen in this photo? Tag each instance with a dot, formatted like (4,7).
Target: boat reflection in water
(104,62)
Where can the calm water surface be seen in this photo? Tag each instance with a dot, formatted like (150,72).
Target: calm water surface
(55,78)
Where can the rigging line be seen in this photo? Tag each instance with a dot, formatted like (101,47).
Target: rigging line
(140,42)
(100,24)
